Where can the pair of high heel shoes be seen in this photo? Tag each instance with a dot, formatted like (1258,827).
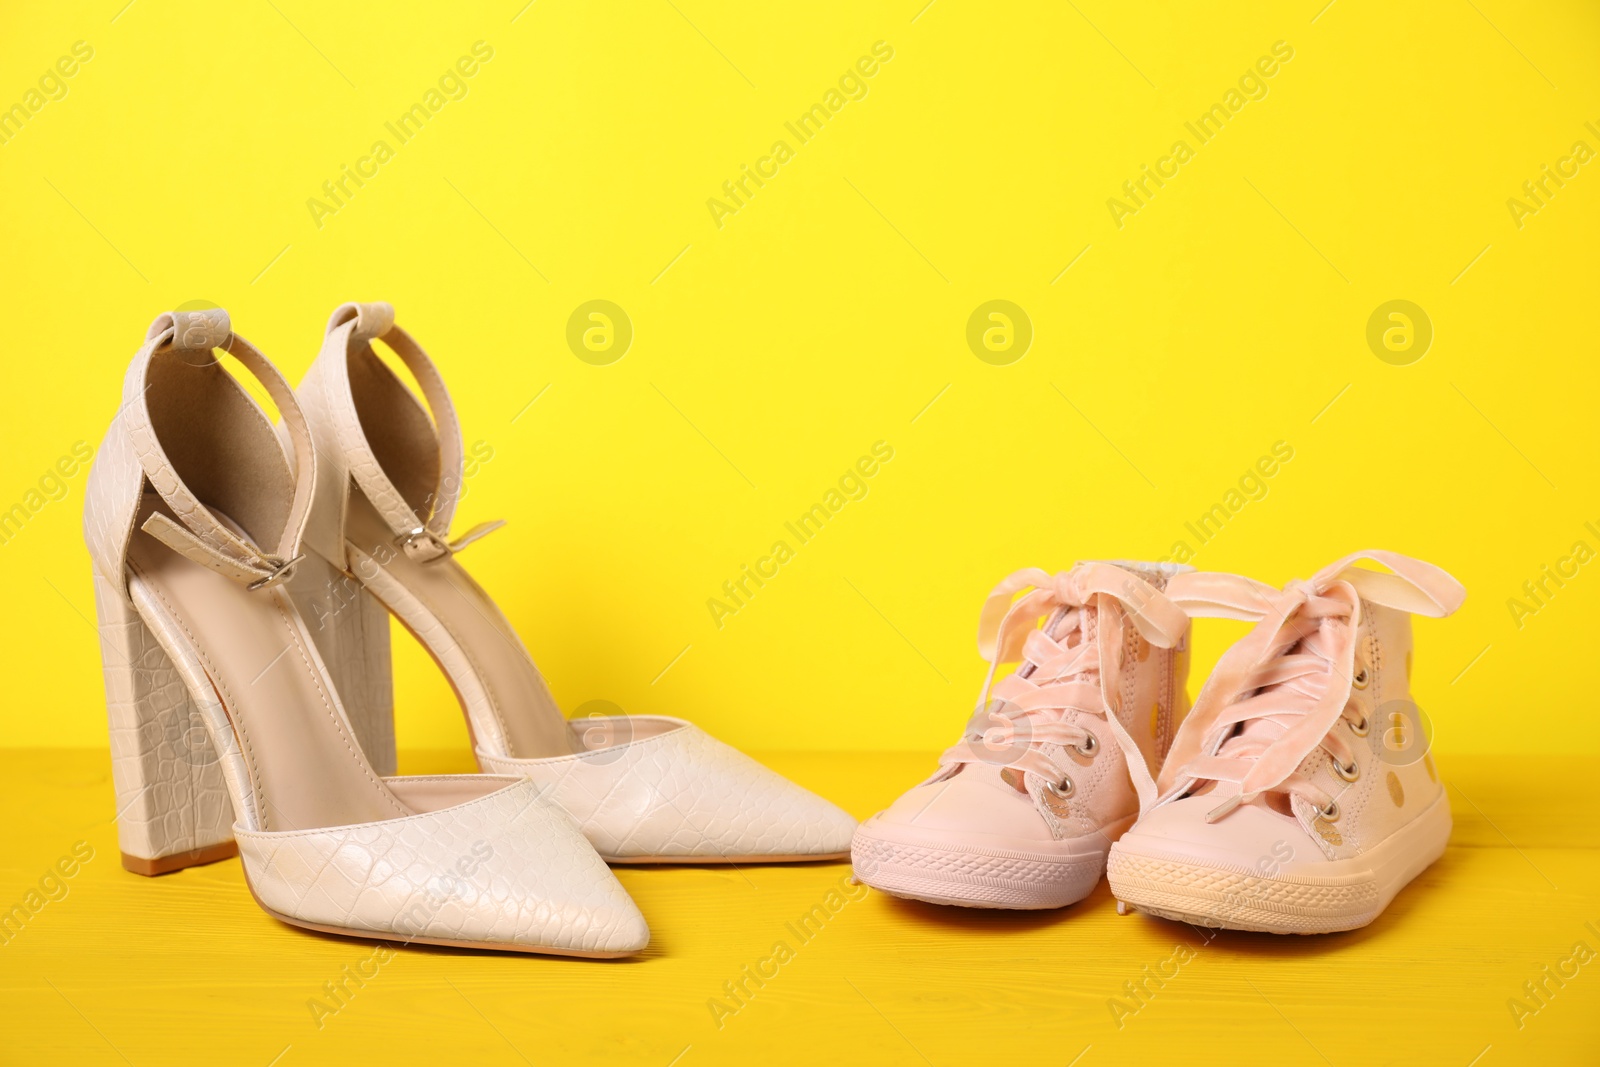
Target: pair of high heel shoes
(244,574)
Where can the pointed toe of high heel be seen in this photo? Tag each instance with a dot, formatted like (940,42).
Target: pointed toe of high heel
(660,790)
(503,871)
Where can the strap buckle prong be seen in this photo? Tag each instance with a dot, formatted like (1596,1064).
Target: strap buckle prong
(424,546)
(282,570)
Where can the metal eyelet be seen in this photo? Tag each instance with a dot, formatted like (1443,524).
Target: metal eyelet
(1361,677)
(1062,789)
(1359,729)
(1089,747)
(1331,812)
(1350,773)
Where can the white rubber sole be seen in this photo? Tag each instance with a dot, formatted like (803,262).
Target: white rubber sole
(968,876)
(1348,896)
(698,860)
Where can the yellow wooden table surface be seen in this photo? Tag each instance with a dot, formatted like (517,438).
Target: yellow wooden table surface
(185,968)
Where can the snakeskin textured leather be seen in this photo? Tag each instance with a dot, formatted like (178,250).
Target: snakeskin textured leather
(507,870)
(681,794)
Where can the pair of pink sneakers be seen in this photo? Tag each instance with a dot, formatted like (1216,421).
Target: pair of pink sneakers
(1296,797)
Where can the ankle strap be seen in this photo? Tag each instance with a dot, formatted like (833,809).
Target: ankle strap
(423,536)
(198,533)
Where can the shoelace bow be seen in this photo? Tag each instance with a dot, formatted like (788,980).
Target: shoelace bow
(1067,666)
(1276,696)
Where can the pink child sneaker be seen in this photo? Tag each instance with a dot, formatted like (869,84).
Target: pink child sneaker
(1056,761)
(1299,796)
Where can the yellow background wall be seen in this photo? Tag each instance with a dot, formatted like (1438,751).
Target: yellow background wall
(830,312)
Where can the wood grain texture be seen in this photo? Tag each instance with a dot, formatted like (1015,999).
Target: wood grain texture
(186,968)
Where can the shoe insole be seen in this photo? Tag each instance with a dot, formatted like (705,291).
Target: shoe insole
(305,766)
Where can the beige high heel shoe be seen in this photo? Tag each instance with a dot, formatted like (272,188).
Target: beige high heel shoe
(201,640)
(644,788)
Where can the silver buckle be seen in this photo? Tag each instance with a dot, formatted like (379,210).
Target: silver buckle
(282,571)
(409,543)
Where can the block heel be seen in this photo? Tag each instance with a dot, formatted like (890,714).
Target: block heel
(172,808)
